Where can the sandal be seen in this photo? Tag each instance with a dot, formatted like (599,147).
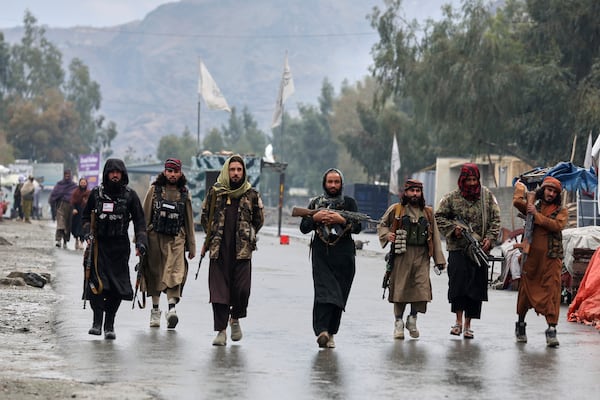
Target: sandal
(468,334)
(456,330)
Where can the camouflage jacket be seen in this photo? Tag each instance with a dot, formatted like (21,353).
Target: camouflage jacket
(485,225)
(250,220)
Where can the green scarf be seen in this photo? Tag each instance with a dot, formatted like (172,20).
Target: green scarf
(223,187)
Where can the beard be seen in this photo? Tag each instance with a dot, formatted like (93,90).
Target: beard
(235,185)
(113,187)
(332,192)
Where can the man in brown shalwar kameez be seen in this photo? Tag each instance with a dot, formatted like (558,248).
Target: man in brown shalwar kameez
(170,224)
(539,286)
(414,242)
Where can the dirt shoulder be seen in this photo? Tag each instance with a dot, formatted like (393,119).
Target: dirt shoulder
(32,364)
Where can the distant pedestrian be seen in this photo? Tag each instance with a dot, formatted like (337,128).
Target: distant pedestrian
(60,199)
(411,230)
(333,255)
(27,191)
(476,206)
(232,215)
(17,210)
(37,209)
(3,205)
(170,227)
(540,282)
(79,199)
(106,216)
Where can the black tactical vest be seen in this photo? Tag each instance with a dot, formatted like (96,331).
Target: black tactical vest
(112,216)
(167,216)
(416,232)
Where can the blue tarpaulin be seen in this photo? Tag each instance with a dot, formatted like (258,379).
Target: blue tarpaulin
(574,178)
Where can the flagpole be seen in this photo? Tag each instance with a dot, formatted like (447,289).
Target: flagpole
(282,131)
(281,177)
(198,135)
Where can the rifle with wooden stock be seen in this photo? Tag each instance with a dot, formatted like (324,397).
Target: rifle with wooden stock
(527,231)
(91,260)
(350,216)
(139,268)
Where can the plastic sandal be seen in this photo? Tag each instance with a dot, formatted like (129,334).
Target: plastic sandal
(468,334)
(456,330)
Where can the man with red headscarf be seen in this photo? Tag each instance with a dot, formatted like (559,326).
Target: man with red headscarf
(476,206)
(539,287)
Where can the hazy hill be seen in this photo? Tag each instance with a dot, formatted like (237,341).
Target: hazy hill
(148,70)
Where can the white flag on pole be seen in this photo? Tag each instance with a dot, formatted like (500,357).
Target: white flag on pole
(286,89)
(587,162)
(394,169)
(210,92)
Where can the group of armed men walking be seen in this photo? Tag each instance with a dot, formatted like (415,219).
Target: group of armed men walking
(232,214)
(471,211)
(163,232)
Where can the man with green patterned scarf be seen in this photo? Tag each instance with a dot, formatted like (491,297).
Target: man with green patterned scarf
(232,214)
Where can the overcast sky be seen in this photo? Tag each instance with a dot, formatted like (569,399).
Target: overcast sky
(69,13)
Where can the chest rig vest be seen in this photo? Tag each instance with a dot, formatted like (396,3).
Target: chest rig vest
(417,232)
(167,216)
(112,217)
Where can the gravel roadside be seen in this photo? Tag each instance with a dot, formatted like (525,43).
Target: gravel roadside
(32,363)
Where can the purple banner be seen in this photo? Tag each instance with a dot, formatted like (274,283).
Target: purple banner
(89,168)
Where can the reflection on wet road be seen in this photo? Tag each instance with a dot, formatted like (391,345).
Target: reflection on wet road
(279,358)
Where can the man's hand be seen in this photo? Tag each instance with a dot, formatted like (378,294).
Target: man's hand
(328,217)
(458,232)
(140,249)
(486,245)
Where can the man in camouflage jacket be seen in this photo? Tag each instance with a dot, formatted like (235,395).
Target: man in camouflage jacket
(232,214)
(475,205)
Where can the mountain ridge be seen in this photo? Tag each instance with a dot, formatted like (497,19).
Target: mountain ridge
(148,69)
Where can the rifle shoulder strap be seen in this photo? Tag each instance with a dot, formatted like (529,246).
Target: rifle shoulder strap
(211,215)
(398,211)
(484,207)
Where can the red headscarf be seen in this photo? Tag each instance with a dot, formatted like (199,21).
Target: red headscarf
(470,193)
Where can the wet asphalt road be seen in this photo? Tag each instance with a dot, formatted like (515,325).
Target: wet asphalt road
(279,358)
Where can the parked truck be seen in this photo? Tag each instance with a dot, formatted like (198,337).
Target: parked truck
(372,200)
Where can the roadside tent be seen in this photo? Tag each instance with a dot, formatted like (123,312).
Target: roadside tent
(585,307)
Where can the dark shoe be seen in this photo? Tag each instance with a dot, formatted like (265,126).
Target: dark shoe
(322,339)
(520,332)
(551,340)
(95,330)
(109,326)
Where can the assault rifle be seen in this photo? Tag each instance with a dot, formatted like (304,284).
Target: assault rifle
(527,232)
(350,216)
(139,268)
(474,249)
(91,260)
